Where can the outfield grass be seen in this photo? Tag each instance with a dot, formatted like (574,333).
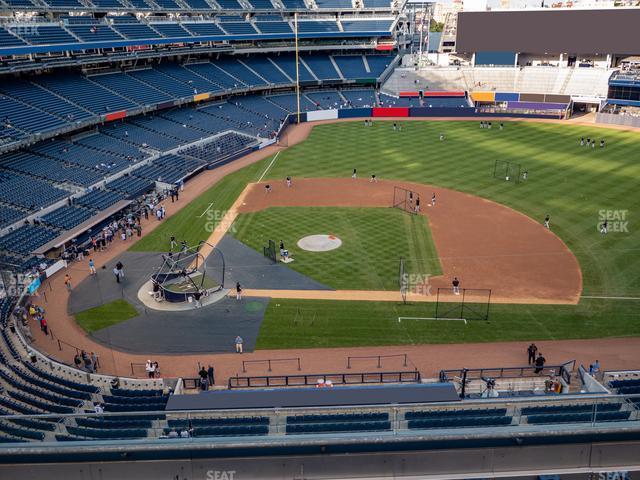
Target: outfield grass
(323,323)
(570,183)
(190,224)
(373,240)
(105,315)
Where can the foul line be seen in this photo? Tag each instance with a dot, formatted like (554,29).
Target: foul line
(203,213)
(432,318)
(268,167)
(595,297)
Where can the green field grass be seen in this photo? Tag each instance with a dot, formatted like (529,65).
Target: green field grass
(105,315)
(373,240)
(572,184)
(191,223)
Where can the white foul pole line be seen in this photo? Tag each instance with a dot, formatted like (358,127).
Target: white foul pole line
(268,167)
(207,209)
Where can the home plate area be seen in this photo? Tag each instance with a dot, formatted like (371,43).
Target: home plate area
(319,243)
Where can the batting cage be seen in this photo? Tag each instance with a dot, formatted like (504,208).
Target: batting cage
(466,305)
(270,251)
(508,171)
(405,200)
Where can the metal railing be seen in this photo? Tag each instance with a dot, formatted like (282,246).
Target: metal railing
(410,376)
(378,358)
(270,361)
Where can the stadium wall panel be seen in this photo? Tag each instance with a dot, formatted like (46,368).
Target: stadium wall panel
(322,115)
(557,98)
(110,117)
(483,97)
(495,58)
(507,97)
(391,112)
(355,113)
(532,97)
(444,94)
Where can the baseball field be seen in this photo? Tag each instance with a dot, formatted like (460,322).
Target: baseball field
(577,187)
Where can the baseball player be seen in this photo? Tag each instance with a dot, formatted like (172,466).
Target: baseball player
(582,141)
(546,222)
(267,188)
(417,208)
(373,179)
(442,137)
(433,200)
(354,175)
(288,182)
(604,228)
(456,286)
(602,143)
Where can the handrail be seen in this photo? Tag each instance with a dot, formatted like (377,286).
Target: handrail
(379,358)
(409,376)
(269,361)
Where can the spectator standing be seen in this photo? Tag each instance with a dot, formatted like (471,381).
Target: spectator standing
(210,375)
(540,361)
(239,342)
(531,352)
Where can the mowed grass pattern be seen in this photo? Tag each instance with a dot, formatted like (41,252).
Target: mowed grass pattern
(373,240)
(190,223)
(568,182)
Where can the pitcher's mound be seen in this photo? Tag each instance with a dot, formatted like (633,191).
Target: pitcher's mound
(319,243)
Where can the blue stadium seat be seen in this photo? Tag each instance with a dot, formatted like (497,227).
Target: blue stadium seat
(351,66)
(202,29)
(129,87)
(366,25)
(44,34)
(238,28)
(170,30)
(267,70)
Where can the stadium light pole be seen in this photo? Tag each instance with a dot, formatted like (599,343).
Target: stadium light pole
(295,24)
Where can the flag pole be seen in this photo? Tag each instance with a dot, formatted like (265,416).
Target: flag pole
(295,22)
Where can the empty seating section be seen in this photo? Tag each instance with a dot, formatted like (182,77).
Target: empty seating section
(169,168)
(224,146)
(18,115)
(203,29)
(112,146)
(294,4)
(366,25)
(242,73)
(377,3)
(287,63)
(334,4)
(267,70)
(167,4)
(67,217)
(196,82)
(130,185)
(360,98)
(167,128)
(162,82)
(316,26)
(28,192)
(198,4)
(76,153)
(170,30)
(85,93)
(326,100)
(215,75)
(142,137)
(352,66)
(113,4)
(378,64)
(49,169)
(10,215)
(42,99)
(229,4)
(38,34)
(129,87)
(322,67)
(99,199)
(261,4)
(9,40)
(238,28)
(26,239)
(274,27)
(94,33)
(333,423)
(289,103)
(135,30)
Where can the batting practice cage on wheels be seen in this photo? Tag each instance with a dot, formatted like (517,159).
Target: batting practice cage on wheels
(465,305)
(405,200)
(508,171)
